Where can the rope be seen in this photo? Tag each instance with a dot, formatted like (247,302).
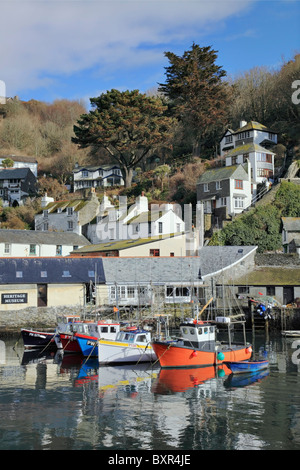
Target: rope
(162,354)
(142,353)
(90,353)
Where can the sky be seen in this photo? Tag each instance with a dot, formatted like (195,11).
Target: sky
(78,49)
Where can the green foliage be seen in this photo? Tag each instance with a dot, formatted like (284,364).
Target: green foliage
(129,125)
(288,199)
(262,226)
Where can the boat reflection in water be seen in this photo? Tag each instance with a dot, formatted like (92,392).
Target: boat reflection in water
(243,380)
(180,380)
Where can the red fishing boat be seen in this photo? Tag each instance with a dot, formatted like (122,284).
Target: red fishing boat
(197,346)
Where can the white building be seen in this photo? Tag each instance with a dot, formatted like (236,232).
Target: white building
(22,162)
(252,141)
(101,176)
(23,243)
(136,222)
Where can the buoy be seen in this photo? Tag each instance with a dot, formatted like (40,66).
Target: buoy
(194,354)
(221,372)
(249,350)
(220,356)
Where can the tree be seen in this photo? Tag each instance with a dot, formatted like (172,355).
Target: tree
(7,163)
(129,125)
(196,91)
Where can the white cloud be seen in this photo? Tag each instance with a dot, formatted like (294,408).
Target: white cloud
(42,40)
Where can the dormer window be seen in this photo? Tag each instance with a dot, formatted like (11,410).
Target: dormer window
(70,210)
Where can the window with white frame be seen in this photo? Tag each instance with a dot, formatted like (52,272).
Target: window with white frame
(205,187)
(223,201)
(7,248)
(70,225)
(218,184)
(238,202)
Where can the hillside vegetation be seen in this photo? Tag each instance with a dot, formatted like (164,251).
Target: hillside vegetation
(168,169)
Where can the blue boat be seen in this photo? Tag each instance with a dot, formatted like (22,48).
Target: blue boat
(88,345)
(246,366)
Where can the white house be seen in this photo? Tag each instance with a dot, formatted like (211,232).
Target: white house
(97,176)
(23,243)
(225,191)
(136,222)
(22,162)
(71,215)
(248,133)
(252,141)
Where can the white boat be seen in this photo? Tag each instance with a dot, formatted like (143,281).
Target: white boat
(131,345)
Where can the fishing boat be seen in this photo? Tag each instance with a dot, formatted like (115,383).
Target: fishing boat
(88,342)
(240,367)
(64,333)
(132,345)
(197,346)
(37,339)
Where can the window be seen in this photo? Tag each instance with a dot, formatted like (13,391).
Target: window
(130,292)
(238,202)
(160,227)
(228,139)
(149,228)
(205,187)
(178,227)
(75,247)
(43,273)
(45,213)
(243,290)
(45,226)
(7,248)
(70,225)
(223,201)
(111,233)
(58,250)
(154,252)
(84,173)
(70,210)
(270,290)
(32,249)
(218,184)
(238,184)
(66,274)
(91,273)
(19,274)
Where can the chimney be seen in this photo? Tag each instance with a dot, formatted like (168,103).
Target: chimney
(243,123)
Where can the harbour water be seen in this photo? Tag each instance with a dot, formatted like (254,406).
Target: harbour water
(56,402)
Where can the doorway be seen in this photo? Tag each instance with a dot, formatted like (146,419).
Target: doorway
(288,295)
(42,295)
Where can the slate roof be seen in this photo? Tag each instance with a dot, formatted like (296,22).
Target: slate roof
(222,173)
(254,125)
(271,276)
(291,224)
(159,270)
(39,237)
(14,173)
(247,148)
(50,270)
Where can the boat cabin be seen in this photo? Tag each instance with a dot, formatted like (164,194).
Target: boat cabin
(200,335)
(134,336)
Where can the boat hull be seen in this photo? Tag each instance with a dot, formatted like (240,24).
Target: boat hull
(88,345)
(69,343)
(171,355)
(37,339)
(246,367)
(114,352)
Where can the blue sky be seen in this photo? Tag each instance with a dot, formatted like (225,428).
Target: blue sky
(77,49)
